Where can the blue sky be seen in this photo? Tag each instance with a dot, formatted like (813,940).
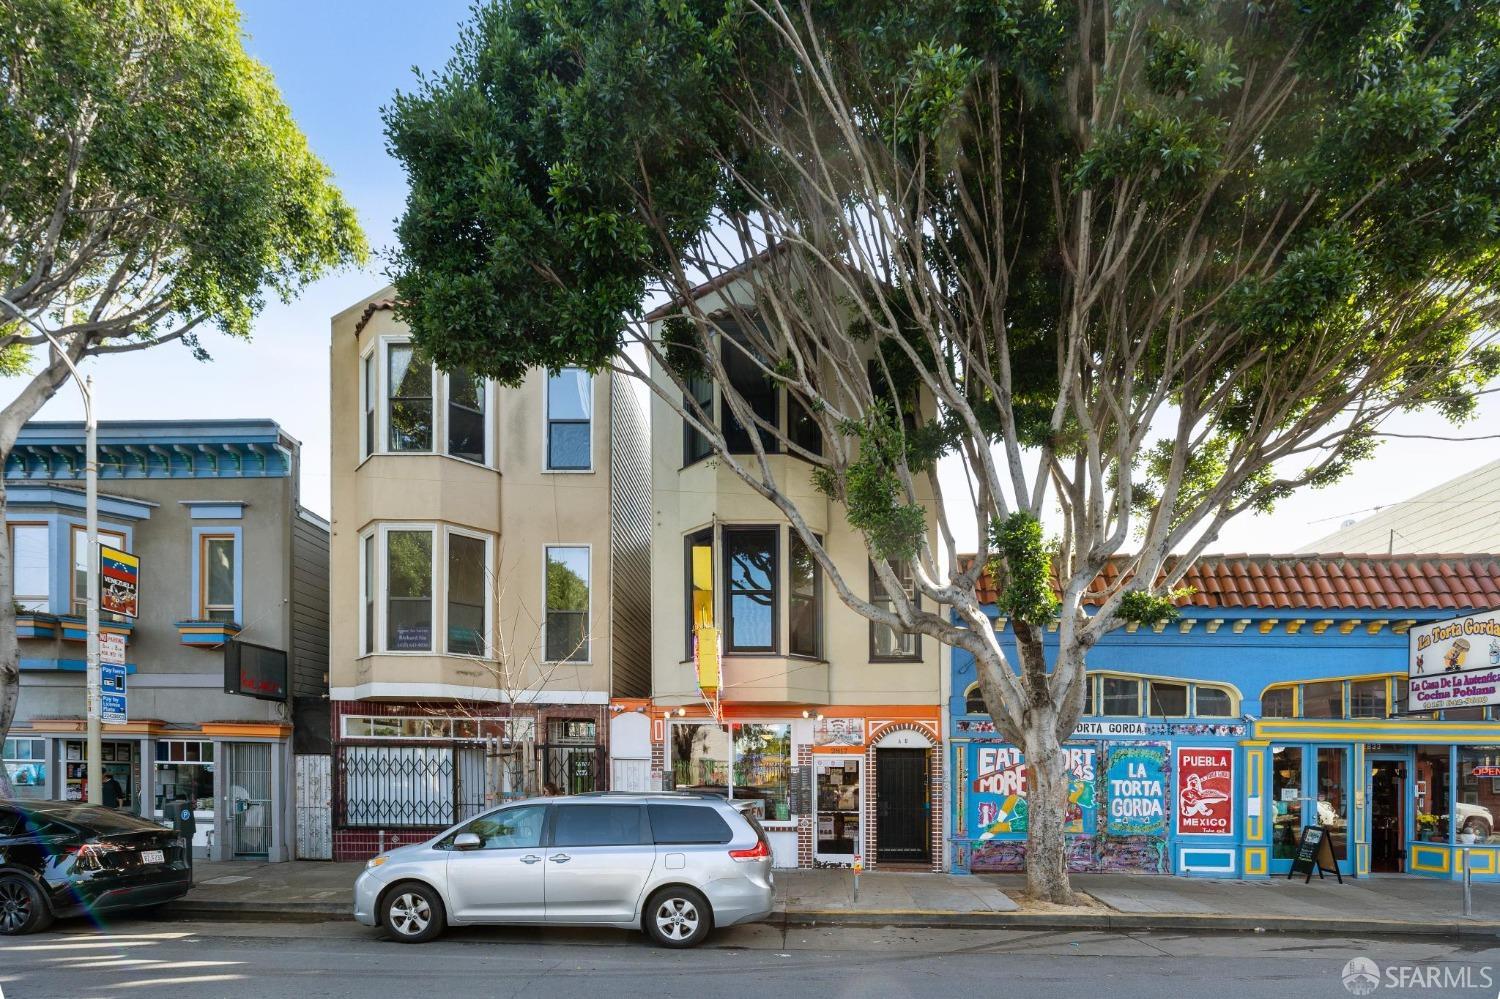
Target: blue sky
(337,62)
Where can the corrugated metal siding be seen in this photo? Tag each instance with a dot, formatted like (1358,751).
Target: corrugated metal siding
(629,542)
(309,640)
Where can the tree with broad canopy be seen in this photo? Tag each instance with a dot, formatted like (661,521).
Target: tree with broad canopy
(1134,267)
(152,185)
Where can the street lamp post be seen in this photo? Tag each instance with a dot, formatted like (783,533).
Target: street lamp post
(92,680)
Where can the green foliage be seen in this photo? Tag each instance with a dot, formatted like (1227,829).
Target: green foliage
(1024,565)
(188,158)
(871,489)
(1139,607)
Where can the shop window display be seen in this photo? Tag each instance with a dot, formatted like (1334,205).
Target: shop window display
(754,765)
(1478,793)
(1432,787)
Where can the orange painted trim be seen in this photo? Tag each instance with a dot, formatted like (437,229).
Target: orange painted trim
(258,730)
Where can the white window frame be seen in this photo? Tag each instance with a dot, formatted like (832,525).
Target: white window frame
(43,599)
(369,405)
(547,468)
(383,387)
(369,606)
(489,589)
(382,589)
(588,620)
(489,423)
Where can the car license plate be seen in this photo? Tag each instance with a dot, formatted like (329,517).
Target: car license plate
(153,857)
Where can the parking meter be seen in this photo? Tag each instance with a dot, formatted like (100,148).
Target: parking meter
(186,825)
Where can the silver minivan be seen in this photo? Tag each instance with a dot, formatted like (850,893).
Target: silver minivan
(675,864)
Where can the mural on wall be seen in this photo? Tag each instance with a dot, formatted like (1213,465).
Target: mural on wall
(998,791)
(1119,812)
(1135,789)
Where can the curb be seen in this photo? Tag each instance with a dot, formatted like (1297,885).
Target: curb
(1124,922)
(1106,922)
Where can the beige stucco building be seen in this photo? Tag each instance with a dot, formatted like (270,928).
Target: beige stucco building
(830,721)
(489,592)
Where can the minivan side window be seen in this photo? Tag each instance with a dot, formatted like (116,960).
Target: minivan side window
(687,824)
(509,828)
(597,825)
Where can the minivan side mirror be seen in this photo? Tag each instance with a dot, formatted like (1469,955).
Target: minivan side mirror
(466,841)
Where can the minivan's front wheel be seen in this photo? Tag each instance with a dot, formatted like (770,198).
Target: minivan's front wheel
(678,917)
(413,913)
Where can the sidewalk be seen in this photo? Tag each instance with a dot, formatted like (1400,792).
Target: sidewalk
(1409,906)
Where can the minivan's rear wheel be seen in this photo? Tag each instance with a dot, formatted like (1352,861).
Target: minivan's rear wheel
(678,917)
(413,913)
(22,908)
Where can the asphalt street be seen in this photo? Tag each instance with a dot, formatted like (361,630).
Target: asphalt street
(163,959)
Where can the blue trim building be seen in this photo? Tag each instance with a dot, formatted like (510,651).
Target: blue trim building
(1274,702)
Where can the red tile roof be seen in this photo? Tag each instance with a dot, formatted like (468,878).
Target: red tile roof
(1327,582)
(370,310)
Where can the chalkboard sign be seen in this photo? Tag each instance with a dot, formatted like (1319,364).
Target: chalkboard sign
(1315,853)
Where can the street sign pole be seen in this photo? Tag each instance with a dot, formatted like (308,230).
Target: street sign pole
(95,680)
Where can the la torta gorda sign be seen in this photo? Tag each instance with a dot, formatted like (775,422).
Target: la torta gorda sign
(1455,663)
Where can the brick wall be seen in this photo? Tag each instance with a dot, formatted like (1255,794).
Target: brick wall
(934,793)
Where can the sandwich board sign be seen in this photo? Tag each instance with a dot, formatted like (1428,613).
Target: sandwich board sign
(1315,853)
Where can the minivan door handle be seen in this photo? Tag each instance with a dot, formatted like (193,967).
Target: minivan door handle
(531,858)
(560,858)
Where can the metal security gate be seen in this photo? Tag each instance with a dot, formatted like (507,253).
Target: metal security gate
(314,808)
(902,810)
(403,786)
(250,798)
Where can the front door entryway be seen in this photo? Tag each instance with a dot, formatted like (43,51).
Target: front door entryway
(1309,786)
(249,784)
(1387,815)
(902,830)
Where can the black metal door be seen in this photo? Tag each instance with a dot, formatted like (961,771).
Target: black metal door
(901,807)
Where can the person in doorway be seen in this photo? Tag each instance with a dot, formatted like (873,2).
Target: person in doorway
(111,792)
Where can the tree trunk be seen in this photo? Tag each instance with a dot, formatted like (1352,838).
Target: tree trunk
(10,647)
(1046,813)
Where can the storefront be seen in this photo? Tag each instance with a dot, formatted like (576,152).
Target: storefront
(1279,699)
(230,774)
(830,785)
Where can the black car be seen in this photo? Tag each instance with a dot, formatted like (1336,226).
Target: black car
(62,858)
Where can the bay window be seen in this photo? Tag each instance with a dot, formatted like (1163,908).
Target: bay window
(468,582)
(696,446)
(700,584)
(566,631)
(744,761)
(886,643)
(570,413)
(751,586)
(409,399)
(804,599)
(466,430)
(408,590)
(751,383)
(31,560)
(368,393)
(367,575)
